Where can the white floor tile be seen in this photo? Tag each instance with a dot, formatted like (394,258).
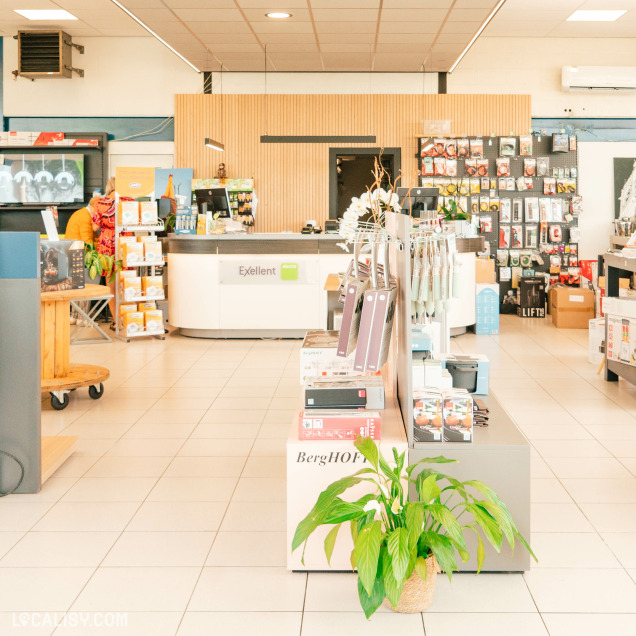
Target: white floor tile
(484,624)
(572,550)
(205,467)
(216,448)
(29,624)
(8,540)
(109,489)
(570,448)
(262,467)
(234,417)
(21,515)
(167,549)
(269,448)
(241,623)
(623,545)
(226,431)
(239,403)
(241,515)
(602,490)
(40,589)
(118,466)
(558,517)
(262,549)
(581,590)
(611,517)
(621,447)
(587,468)
(160,516)
(193,489)
(320,623)
(264,489)
(128,623)
(269,590)
(145,447)
(143,589)
(548,491)
(586,624)
(87,517)
(60,549)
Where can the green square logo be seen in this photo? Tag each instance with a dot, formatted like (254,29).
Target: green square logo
(289,271)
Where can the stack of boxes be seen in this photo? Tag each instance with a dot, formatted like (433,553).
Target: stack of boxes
(486,298)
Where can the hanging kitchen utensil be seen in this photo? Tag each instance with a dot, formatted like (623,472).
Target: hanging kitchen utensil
(23,178)
(64,180)
(368,309)
(43,181)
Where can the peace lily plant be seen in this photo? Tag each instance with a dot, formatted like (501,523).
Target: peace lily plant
(397,541)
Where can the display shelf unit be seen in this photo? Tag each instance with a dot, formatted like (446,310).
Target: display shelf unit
(150,269)
(616,266)
(618,241)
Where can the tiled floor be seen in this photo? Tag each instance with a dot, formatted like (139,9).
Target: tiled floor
(173,509)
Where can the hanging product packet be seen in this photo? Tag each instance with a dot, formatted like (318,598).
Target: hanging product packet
(549,186)
(507,146)
(451,167)
(494,205)
(504,236)
(511,183)
(529,183)
(451,148)
(516,236)
(525,259)
(485,183)
(470,167)
(517,210)
(503,183)
(427,148)
(485,224)
(515,258)
(428,167)
(463,148)
(560,142)
(440,148)
(532,236)
(530,167)
(525,145)
(475,186)
(440,166)
(503,166)
(545,209)
(482,167)
(477,148)
(543,166)
(532,210)
(484,204)
(556,233)
(504,211)
(474,205)
(557,210)
(502,258)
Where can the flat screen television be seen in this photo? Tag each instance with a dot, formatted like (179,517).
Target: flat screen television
(42,178)
(213,200)
(418,200)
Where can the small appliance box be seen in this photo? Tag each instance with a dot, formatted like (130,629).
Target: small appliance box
(486,309)
(318,356)
(596,337)
(338,425)
(61,265)
(485,270)
(427,416)
(532,297)
(426,338)
(345,393)
(470,372)
(571,308)
(458,416)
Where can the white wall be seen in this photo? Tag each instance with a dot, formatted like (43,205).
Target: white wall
(596,177)
(131,154)
(124,77)
(533,65)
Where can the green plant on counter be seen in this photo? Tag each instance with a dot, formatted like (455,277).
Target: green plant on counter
(97,263)
(451,213)
(170,221)
(393,536)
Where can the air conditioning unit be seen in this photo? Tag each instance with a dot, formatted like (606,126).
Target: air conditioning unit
(598,78)
(46,54)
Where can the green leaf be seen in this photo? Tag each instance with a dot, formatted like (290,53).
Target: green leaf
(388,471)
(367,552)
(354,530)
(485,490)
(352,559)
(414,515)
(481,554)
(92,271)
(443,549)
(487,524)
(420,567)
(322,509)
(503,518)
(444,516)
(397,545)
(392,586)
(367,447)
(330,542)
(429,460)
(346,511)
(526,545)
(427,488)
(371,602)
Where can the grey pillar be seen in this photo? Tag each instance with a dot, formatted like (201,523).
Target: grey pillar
(20,365)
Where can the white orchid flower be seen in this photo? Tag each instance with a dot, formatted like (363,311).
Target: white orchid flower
(396,508)
(395,202)
(365,199)
(373,504)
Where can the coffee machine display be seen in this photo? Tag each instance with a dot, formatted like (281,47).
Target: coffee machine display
(61,265)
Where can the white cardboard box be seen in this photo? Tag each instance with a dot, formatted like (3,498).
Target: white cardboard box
(595,340)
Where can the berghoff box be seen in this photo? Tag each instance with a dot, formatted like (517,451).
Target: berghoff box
(345,393)
(427,416)
(442,415)
(458,416)
(318,356)
(338,425)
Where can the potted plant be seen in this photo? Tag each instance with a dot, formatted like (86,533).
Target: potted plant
(97,263)
(399,544)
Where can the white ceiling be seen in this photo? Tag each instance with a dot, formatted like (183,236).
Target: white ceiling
(323,35)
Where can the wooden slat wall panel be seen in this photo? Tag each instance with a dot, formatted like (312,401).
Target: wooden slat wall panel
(292,180)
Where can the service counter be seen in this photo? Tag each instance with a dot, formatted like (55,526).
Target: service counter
(251,285)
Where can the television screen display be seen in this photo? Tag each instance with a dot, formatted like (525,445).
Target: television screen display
(213,200)
(45,178)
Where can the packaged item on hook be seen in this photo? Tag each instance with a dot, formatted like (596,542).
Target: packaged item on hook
(530,167)
(462,204)
(505,214)
(504,236)
(482,167)
(572,142)
(428,167)
(463,188)
(543,166)
(570,185)
(561,186)
(521,184)
(475,186)
(484,204)
(557,210)
(470,167)
(493,184)
(543,233)
(511,183)
(517,210)
(555,263)
(451,148)
(494,205)
(525,145)
(485,224)
(549,185)
(451,167)
(516,236)
(463,148)
(474,205)
(560,142)
(576,204)
(556,234)
(440,147)
(502,183)
(477,148)
(515,258)
(427,148)
(525,258)
(502,258)
(532,236)
(440,166)
(545,210)
(532,210)
(529,183)
(507,146)
(485,183)
(503,166)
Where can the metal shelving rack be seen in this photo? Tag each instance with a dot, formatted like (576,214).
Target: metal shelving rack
(149,268)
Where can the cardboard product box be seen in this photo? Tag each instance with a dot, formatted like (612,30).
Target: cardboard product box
(426,338)
(485,271)
(61,265)
(149,304)
(122,274)
(427,416)
(458,416)
(625,307)
(133,323)
(614,337)
(318,356)
(532,297)
(571,308)
(129,212)
(152,252)
(132,254)
(345,393)
(338,425)
(152,286)
(148,212)
(486,309)
(123,240)
(125,309)
(153,320)
(596,337)
(132,288)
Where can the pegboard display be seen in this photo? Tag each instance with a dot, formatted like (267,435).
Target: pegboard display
(522,196)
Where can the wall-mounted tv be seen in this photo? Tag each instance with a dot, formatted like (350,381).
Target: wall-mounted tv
(45,178)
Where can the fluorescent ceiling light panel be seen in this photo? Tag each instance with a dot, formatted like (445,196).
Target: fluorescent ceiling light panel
(278,15)
(145,26)
(481,28)
(596,16)
(45,14)
(215,145)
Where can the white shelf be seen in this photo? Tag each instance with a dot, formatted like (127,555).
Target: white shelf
(141,299)
(146,264)
(141,228)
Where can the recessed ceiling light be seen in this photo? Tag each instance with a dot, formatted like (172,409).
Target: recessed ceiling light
(596,16)
(45,14)
(278,15)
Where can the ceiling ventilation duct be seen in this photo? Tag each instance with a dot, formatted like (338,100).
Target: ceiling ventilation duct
(46,54)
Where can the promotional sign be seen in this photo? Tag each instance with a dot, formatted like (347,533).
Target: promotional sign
(181,183)
(250,272)
(135,182)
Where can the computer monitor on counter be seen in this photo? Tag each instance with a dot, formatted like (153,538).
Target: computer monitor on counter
(213,200)
(414,201)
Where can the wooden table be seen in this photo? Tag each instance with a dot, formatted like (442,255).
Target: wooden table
(59,376)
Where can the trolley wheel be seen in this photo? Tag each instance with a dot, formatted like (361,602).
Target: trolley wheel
(57,405)
(94,392)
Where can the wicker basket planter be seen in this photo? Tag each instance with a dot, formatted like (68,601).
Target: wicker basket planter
(417,595)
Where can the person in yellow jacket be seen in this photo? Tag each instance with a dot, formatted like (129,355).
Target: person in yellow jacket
(80,225)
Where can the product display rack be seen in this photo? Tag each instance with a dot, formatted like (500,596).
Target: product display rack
(150,268)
